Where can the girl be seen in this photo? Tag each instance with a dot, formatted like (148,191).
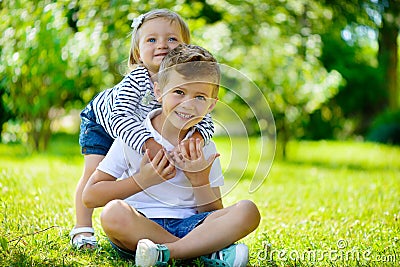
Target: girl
(119,111)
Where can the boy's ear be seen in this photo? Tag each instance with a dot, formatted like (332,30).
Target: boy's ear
(157,92)
(213,103)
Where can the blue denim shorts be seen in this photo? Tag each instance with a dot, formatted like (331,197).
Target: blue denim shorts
(177,227)
(93,139)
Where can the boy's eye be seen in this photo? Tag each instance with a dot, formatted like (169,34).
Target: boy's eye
(200,97)
(179,92)
(172,39)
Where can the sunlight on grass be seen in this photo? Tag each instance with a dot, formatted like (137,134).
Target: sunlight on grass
(327,197)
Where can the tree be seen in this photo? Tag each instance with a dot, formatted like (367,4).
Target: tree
(280,54)
(371,73)
(36,80)
(388,57)
(57,55)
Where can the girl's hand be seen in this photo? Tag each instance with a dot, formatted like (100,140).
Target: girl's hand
(154,171)
(190,159)
(185,143)
(153,147)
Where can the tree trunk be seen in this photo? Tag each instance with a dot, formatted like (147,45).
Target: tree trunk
(388,55)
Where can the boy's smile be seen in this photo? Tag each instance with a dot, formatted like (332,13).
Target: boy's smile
(184,104)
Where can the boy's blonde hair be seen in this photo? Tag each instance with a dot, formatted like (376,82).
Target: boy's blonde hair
(133,60)
(194,63)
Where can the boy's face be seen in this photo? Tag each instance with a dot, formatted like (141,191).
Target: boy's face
(185,103)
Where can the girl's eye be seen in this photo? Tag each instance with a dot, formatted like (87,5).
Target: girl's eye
(172,39)
(151,40)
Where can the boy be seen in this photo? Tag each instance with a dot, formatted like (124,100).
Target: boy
(172,206)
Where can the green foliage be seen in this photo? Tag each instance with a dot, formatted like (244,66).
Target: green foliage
(360,47)
(55,56)
(33,36)
(386,128)
(325,192)
(280,54)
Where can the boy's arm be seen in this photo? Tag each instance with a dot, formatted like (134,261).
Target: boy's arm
(197,169)
(103,187)
(208,198)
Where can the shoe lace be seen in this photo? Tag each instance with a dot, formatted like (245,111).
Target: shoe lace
(216,259)
(163,254)
(219,255)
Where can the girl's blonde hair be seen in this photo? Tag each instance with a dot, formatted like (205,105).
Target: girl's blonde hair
(133,60)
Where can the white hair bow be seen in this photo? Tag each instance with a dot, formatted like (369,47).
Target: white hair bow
(137,22)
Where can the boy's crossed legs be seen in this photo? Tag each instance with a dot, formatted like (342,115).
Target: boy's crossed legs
(125,227)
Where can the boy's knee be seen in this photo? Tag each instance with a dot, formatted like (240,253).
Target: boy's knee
(249,213)
(113,215)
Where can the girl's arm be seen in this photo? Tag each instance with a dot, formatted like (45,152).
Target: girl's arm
(133,102)
(206,129)
(204,132)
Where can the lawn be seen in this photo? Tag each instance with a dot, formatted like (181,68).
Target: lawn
(329,204)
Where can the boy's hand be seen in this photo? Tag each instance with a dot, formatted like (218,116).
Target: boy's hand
(153,147)
(190,159)
(154,171)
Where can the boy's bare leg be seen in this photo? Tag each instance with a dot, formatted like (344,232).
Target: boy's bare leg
(124,226)
(83,214)
(220,229)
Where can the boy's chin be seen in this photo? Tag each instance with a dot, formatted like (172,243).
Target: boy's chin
(187,126)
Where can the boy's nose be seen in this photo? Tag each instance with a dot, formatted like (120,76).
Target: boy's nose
(187,103)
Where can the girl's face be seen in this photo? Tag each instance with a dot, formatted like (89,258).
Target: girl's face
(157,37)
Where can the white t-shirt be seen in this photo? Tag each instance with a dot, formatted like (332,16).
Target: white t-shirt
(171,199)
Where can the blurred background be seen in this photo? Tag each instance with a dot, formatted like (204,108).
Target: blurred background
(328,69)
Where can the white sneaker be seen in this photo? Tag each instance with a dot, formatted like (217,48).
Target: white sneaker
(150,254)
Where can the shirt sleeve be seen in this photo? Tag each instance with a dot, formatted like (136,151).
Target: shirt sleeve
(126,115)
(114,162)
(216,175)
(206,128)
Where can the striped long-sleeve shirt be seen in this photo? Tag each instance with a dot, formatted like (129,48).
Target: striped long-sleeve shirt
(122,109)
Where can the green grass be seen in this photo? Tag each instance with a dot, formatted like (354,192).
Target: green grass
(329,204)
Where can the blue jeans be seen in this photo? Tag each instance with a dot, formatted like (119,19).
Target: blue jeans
(177,227)
(93,139)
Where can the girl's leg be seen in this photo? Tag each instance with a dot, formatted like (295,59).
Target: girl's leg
(124,226)
(219,230)
(83,214)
